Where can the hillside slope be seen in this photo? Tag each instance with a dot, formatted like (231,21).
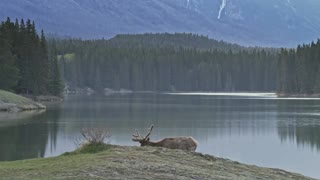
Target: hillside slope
(13,102)
(138,163)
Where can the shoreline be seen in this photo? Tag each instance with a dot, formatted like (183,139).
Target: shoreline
(10,102)
(43,98)
(315,95)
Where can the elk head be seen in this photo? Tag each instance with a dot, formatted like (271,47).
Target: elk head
(144,141)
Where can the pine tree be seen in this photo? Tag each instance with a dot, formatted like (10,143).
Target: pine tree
(8,71)
(25,65)
(55,84)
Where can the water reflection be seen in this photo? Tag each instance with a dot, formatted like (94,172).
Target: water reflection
(167,111)
(266,132)
(26,135)
(299,123)
(11,118)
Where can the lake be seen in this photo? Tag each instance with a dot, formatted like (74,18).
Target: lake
(258,129)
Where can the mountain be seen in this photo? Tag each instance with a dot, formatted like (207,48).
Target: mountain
(247,22)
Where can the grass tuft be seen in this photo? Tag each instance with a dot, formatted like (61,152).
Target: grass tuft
(93,140)
(89,149)
(93,148)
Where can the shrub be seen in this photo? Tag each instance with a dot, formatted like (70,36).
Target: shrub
(95,136)
(93,140)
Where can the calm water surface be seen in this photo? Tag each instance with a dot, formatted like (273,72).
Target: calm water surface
(254,129)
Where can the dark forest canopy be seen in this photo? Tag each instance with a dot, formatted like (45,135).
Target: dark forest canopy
(187,62)
(299,70)
(181,40)
(177,40)
(150,62)
(165,62)
(27,66)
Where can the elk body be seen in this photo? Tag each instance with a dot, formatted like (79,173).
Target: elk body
(183,143)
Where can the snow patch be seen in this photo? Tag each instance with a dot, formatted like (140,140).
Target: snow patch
(222,6)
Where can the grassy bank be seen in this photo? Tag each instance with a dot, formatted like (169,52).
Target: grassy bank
(117,162)
(14,102)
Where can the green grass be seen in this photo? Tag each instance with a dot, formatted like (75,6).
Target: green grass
(9,97)
(67,166)
(19,101)
(48,168)
(90,149)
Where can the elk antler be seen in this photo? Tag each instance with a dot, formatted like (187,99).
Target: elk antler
(137,137)
(148,133)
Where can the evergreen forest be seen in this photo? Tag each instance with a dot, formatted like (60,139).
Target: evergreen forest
(188,62)
(166,62)
(33,65)
(27,66)
(299,70)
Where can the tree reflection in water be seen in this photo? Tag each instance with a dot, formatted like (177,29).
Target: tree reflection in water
(299,123)
(26,135)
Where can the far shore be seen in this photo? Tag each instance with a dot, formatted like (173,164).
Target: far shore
(315,95)
(44,98)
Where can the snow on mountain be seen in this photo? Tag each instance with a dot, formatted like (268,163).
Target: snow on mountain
(222,6)
(248,22)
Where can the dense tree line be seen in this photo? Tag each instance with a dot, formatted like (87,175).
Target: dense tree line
(299,70)
(180,40)
(27,67)
(157,62)
(177,40)
(147,66)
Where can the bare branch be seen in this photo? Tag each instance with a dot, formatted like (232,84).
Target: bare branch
(95,135)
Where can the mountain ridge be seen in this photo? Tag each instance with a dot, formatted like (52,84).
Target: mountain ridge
(247,22)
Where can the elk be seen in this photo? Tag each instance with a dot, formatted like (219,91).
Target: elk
(183,143)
